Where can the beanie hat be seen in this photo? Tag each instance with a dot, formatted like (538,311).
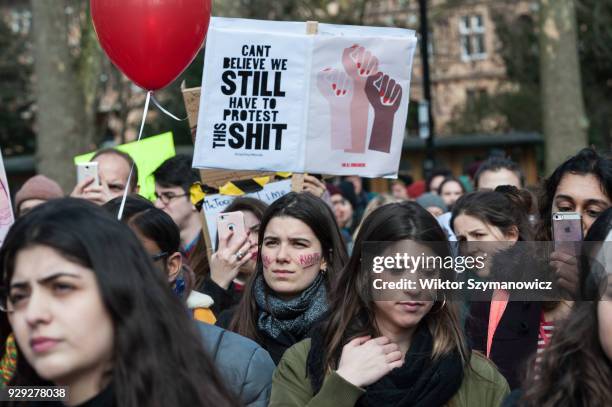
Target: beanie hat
(427,200)
(333,190)
(38,187)
(346,189)
(348,192)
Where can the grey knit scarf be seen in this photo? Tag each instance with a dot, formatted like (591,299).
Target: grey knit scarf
(295,316)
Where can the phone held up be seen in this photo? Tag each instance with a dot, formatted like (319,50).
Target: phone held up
(231,223)
(88,169)
(567,232)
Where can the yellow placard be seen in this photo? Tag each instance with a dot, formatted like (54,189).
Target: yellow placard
(148,153)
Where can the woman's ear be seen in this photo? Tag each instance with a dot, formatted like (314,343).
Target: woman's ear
(513,234)
(173,265)
(323,264)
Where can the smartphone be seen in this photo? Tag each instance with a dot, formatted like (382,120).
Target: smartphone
(567,232)
(231,222)
(89,169)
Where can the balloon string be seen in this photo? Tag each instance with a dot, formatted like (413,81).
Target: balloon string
(159,106)
(127,185)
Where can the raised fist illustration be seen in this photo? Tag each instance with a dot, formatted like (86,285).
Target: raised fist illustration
(385,96)
(359,64)
(337,88)
(383,92)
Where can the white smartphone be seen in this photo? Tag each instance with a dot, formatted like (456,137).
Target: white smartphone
(88,169)
(231,222)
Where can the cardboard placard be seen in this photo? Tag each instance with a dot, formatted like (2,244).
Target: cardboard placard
(278,99)
(148,154)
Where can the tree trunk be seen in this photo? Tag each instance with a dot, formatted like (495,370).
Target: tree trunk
(89,69)
(564,119)
(61,119)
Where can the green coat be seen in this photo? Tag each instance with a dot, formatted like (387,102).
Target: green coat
(482,386)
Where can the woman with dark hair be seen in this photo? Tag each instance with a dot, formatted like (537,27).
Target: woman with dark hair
(90,311)
(161,239)
(301,250)
(369,352)
(450,190)
(228,273)
(582,184)
(576,368)
(432,183)
(505,329)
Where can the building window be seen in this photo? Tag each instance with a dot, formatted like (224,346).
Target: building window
(472,32)
(473,97)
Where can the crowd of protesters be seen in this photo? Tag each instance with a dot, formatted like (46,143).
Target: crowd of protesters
(143,312)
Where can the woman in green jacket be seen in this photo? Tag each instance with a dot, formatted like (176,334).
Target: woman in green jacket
(388,347)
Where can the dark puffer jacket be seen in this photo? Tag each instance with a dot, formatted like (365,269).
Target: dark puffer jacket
(244,365)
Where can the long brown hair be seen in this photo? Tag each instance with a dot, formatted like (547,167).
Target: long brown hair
(574,370)
(352,302)
(199,263)
(317,215)
(158,358)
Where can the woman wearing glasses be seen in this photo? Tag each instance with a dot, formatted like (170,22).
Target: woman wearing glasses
(246,367)
(88,311)
(160,237)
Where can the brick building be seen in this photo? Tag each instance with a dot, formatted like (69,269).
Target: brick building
(464,49)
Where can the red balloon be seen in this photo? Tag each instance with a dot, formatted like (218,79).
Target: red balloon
(151,41)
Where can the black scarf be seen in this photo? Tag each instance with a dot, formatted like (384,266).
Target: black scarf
(295,317)
(420,382)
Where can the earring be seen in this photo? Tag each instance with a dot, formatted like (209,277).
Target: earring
(443,303)
(442,306)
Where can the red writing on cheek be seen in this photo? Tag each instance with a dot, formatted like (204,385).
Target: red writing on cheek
(267,261)
(308,260)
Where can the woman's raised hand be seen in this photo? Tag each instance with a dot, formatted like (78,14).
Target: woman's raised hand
(225,263)
(365,360)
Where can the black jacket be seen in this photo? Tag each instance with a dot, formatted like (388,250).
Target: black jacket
(515,339)
(223,299)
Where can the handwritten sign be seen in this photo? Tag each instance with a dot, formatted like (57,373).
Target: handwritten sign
(215,204)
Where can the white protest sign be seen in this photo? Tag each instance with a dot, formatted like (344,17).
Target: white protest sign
(215,204)
(276,99)
(6,210)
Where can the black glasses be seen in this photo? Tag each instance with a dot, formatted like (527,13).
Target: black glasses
(158,256)
(166,197)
